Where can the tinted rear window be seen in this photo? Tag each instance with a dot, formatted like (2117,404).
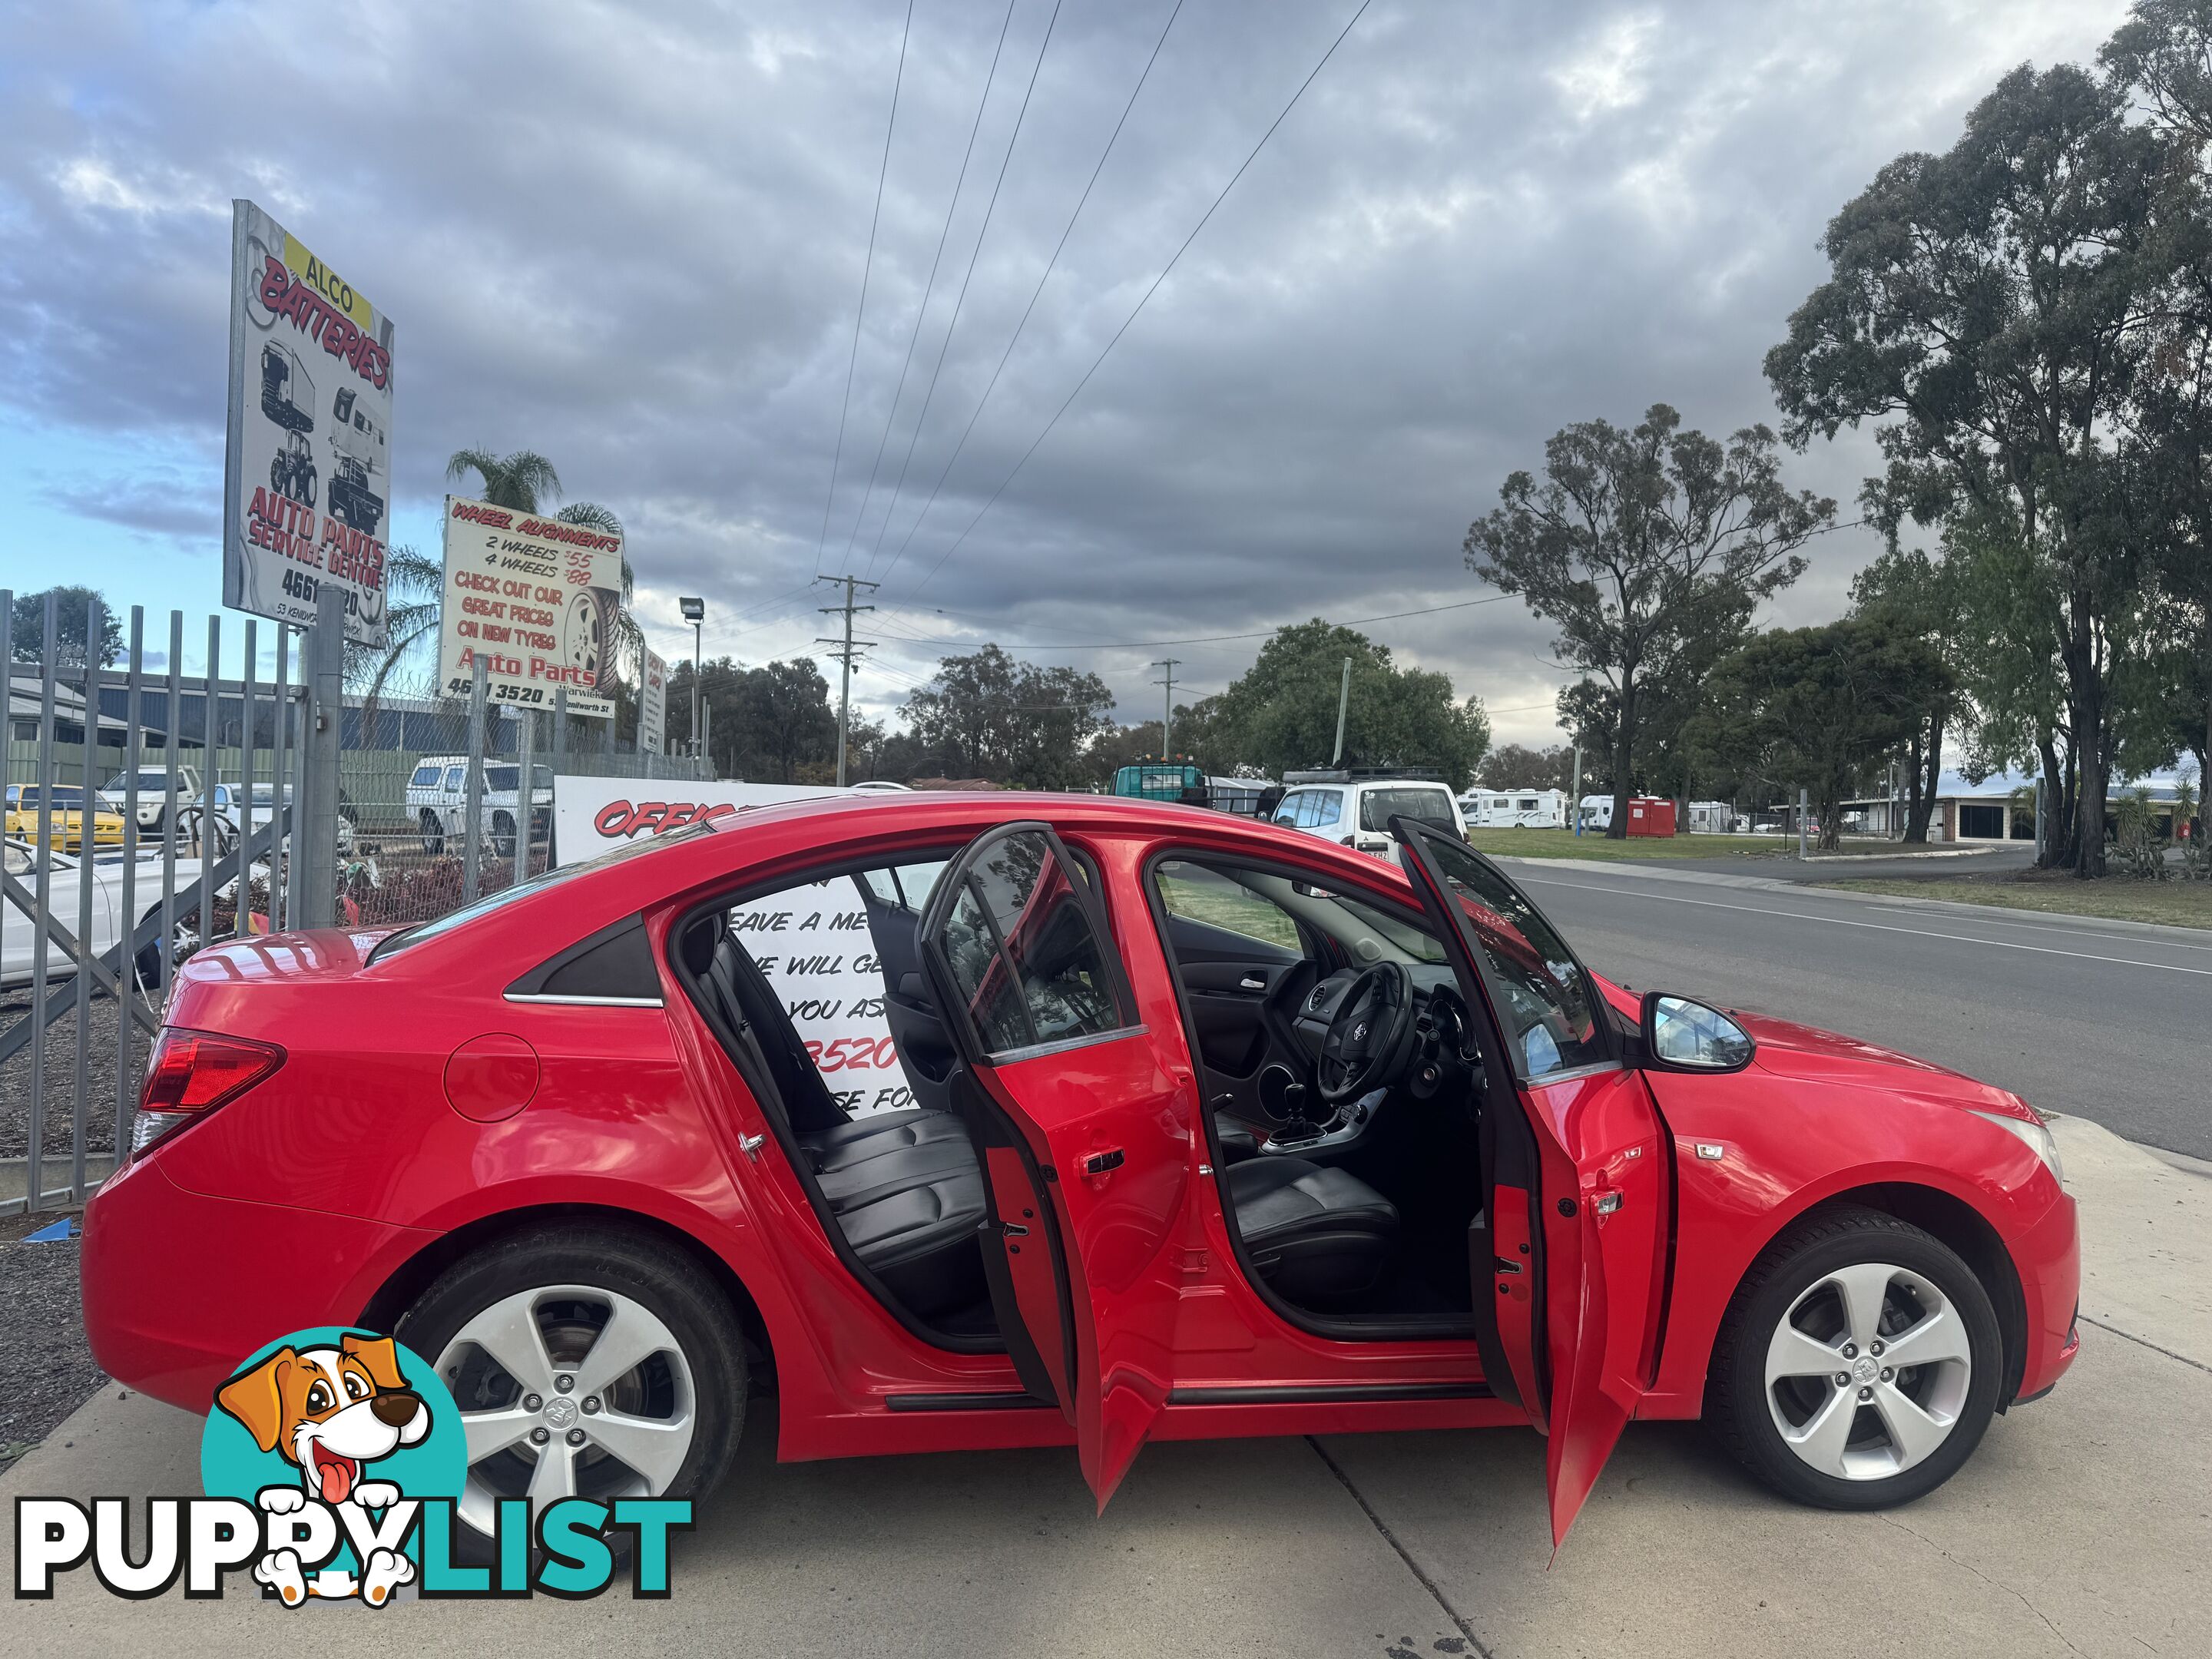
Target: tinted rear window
(1378,807)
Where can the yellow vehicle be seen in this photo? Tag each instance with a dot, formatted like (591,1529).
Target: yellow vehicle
(68,813)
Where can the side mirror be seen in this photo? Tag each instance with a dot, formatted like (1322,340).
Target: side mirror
(1679,1034)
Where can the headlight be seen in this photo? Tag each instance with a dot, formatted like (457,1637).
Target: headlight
(2035,1135)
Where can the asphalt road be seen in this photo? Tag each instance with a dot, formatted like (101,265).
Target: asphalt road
(2102,1019)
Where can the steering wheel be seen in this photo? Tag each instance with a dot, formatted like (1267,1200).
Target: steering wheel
(1370,1035)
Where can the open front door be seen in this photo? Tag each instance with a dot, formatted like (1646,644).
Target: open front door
(1575,1163)
(1083,1131)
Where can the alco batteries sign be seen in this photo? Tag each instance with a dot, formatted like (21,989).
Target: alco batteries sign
(307,469)
(536,598)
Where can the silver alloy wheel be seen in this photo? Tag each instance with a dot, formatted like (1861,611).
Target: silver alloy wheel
(1866,1372)
(568,1390)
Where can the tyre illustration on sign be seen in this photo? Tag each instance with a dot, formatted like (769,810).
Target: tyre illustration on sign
(584,633)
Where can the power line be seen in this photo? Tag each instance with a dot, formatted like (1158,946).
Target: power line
(974,255)
(866,266)
(929,287)
(1146,300)
(848,649)
(1050,264)
(1202,638)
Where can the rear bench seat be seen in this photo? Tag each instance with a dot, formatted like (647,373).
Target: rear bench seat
(904,1188)
(907,1190)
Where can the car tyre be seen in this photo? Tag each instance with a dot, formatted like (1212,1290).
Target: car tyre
(1865,1435)
(556,1274)
(433,834)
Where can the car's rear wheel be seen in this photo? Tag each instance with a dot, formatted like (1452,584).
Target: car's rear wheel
(1858,1365)
(586,1362)
(434,833)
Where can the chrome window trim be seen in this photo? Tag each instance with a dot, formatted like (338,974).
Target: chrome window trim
(1571,1072)
(583,1002)
(1065,1045)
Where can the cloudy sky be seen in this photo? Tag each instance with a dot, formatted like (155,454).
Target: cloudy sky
(634,238)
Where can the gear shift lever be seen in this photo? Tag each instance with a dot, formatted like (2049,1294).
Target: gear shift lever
(1295,1127)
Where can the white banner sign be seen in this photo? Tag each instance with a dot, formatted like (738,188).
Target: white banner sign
(308,471)
(536,599)
(652,706)
(812,943)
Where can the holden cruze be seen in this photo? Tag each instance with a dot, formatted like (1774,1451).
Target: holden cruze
(1155,1124)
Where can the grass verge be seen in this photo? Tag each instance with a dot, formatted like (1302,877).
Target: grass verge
(2175,903)
(1565,844)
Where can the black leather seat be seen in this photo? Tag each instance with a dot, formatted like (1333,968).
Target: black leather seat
(1318,1236)
(1235,1138)
(906,1192)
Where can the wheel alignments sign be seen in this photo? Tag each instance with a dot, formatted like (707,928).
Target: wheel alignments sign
(308,468)
(536,598)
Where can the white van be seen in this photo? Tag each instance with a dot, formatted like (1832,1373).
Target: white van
(1356,812)
(1515,809)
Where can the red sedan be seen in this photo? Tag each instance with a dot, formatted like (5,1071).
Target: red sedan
(1202,1128)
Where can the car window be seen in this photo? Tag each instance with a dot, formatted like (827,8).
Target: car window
(1286,810)
(502,777)
(1023,954)
(19,861)
(1328,806)
(1193,891)
(541,777)
(1541,991)
(1378,807)
(454,774)
(426,777)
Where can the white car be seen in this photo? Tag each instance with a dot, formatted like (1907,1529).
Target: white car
(153,791)
(17,931)
(1356,811)
(438,795)
(228,803)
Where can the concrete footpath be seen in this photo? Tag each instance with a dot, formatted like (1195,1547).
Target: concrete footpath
(2083,1526)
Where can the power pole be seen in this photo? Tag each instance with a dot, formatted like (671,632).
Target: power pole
(1343,704)
(1167,713)
(1575,792)
(846,648)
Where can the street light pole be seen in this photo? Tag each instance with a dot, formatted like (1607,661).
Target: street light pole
(1167,710)
(695,612)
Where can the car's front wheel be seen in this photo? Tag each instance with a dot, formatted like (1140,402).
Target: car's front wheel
(434,833)
(586,1362)
(1858,1365)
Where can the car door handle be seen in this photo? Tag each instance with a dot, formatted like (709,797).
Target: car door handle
(1100,1163)
(1252,982)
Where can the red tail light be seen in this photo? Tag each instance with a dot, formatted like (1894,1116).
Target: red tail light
(191,1073)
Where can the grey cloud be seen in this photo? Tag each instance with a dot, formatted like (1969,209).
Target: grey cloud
(633,240)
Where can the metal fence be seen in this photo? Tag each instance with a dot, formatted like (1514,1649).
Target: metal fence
(150,811)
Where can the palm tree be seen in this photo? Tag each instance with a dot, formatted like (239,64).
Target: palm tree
(413,583)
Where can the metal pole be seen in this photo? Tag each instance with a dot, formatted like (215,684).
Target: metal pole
(174,730)
(35,1180)
(1167,709)
(314,890)
(133,758)
(81,1116)
(1802,801)
(211,735)
(473,796)
(1575,796)
(1343,705)
(698,629)
(526,790)
(246,787)
(280,789)
(703,765)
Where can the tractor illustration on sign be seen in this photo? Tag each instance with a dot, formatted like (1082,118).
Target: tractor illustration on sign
(357,443)
(292,470)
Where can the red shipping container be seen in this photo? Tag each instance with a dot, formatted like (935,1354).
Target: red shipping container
(1648,815)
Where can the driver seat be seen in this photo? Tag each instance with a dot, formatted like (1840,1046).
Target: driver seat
(1318,1236)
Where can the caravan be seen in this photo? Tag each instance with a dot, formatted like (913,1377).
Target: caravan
(1515,809)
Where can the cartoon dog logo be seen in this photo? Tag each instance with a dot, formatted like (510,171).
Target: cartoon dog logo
(330,1412)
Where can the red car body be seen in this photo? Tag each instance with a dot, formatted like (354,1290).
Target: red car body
(418,1114)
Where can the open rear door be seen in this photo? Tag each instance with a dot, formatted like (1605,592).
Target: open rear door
(1578,1230)
(1082,1128)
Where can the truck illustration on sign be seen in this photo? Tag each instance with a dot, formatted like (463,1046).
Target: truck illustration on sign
(357,443)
